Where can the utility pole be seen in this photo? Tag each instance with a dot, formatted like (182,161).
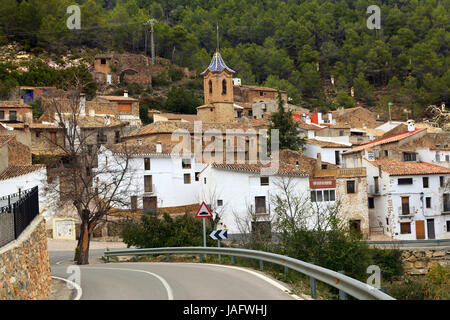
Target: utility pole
(150,23)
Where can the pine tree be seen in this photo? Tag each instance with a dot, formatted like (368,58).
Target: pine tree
(288,129)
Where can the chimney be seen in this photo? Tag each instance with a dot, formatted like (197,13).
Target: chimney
(82,104)
(319,161)
(139,142)
(411,126)
(91,112)
(319,118)
(107,121)
(330,117)
(125,93)
(158,147)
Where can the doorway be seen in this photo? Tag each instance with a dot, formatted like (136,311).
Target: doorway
(149,203)
(420,229)
(430,228)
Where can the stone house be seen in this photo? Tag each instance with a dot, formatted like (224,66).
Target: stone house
(330,151)
(357,117)
(252,94)
(123,68)
(15,111)
(262,110)
(17,173)
(409,200)
(391,147)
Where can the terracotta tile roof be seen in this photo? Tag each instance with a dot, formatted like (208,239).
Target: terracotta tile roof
(37,125)
(245,105)
(169,127)
(245,86)
(406,168)
(14,105)
(291,163)
(4,138)
(328,144)
(15,171)
(179,116)
(390,139)
(118,98)
(148,147)
(302,124)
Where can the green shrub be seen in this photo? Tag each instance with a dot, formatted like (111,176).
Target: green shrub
(155,230)
(175,74)
(389,261)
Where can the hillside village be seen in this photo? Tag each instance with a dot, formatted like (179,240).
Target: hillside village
(391,179)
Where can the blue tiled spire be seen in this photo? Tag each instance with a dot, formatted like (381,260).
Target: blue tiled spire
(217,64)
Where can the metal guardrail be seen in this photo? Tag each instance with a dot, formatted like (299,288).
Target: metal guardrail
(435,242)
(335,279)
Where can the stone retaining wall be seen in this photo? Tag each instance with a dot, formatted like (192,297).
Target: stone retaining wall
(419,262)
(25,265)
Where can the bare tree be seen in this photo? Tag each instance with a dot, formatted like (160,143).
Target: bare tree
(92,188)
(211,198)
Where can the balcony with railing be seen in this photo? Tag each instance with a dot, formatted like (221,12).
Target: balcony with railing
(405,211)
(374,190)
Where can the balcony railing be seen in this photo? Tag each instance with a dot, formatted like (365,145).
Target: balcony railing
(402,212)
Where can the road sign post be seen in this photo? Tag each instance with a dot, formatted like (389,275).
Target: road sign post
(203,212)
(218,235)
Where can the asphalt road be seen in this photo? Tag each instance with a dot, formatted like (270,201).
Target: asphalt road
(169,281)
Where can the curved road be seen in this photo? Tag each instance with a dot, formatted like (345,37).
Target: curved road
(163,281)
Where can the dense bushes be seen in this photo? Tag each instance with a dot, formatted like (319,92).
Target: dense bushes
(434,286)
(164,231)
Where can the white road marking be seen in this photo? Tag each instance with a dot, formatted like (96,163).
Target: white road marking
(74,284)
(163,281)
(259,275)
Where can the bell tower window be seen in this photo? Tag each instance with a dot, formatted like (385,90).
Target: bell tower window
(210,86)
(224,87)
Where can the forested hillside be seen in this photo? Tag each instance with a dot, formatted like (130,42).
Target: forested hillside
(293,45)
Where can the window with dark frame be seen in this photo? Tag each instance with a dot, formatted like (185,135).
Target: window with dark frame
(187,178)
(219,203)
(425,181)
(224,87)
(351,186)
(403,181)
(134,203)
(186,163)
(264,181)
(448,225)
(102,61)
(371,203)
(386,153)
(146,163)
(260,204)
(148,183)
(441,181)
(428,202)
(405,227)
(197,176)
(409,156)
(2,114)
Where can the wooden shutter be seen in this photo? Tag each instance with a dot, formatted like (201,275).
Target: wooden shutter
(125,107)
(420,229)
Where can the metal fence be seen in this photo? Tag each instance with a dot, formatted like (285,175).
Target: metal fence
(16,213)
(345,284)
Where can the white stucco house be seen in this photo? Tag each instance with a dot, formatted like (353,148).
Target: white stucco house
(330,151)
(16,179)
(243,191)
(409,200)
(154,178)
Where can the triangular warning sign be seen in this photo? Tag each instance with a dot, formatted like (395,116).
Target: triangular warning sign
(203,211)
